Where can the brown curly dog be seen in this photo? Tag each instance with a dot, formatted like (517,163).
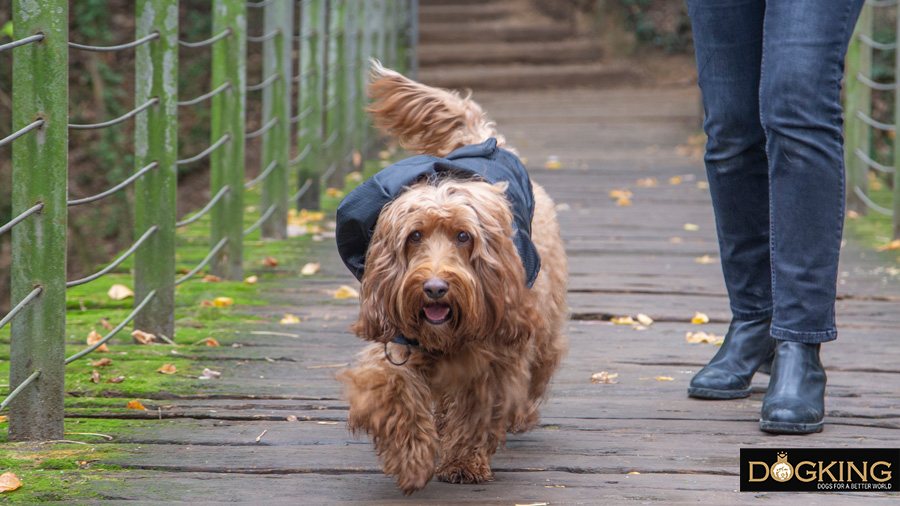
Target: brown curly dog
(442,268)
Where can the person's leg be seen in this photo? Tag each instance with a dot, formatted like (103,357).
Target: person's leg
(804,43)
(728,45)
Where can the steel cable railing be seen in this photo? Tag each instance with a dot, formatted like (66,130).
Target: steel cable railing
(137,309)
(22,131)
(262,219)
(12,395)
(114,189)
(205,261)
(124,256)
(199,156)
(262,38)
(207,95)
(21,42)
(24,302)
(209,205)
(262,175)
(264,83)
(134,112)
(107,49)
(18,219)
(263,129)
(302,191)
(207,42)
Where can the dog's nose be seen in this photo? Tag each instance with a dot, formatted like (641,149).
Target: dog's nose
(435,288)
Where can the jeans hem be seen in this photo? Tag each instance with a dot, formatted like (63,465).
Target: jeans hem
(758,314)
(803,337)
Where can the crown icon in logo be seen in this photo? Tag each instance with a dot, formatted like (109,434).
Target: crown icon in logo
(782,471)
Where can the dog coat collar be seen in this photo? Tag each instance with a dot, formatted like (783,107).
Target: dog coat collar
(358,213)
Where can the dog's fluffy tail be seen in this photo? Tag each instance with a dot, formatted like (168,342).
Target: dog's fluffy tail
(426,120)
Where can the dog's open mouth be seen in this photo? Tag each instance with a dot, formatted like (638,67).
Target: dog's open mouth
(437,313)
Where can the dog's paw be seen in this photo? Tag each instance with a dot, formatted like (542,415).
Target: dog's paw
(469,472)
(414,481)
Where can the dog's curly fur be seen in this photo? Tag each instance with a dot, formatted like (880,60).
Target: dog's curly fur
(484,370)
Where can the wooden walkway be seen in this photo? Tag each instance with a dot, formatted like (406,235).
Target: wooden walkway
(637,441)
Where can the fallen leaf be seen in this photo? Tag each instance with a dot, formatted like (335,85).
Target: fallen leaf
(142,337)
(644,319)
(334,192)
(553,163)
(705,259)
(167,369)
(135,405)
(622,320)
(665,378)
(604,377)
(223,301)
(384,154)
(676,240)
(355,176)
(893,245)
(346,292)
(251,280)
(327,423)
(357,158)
(270,261)
(211,341)
(310,269)
(115,380)
(701,338)
(700,318)
(119,292)
(210,374)
(93,337)
(620,194)
(634,472)
(105,323)
(675,180)
(95,376)
(690,227)
(3,418)
(623,202)
(211,278)
(647,182)
(289,319)
(206,303)
(703,185)
(9,482)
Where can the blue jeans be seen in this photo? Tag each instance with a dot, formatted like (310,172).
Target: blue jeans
(770,75)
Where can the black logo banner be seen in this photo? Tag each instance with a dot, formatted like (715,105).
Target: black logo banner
(820,469)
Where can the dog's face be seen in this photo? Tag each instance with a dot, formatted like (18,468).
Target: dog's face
(441,267)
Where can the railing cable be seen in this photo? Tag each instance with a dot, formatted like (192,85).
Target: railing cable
(114,331)
(261,220)
(207,42)
(209,205)
(24,130)
(117,261)
(115,188)
(205,261)
(887,127)
(269,80)
(206,96)
(301,191)
(262,175)
(104,49)
(21,42)
(872,163)
(18,219)
(264,37)
(120,119)
(302,154)
(205,152)
(263,129)
(865,198)
(874,85)
(877,45)
(12,395)
(24,302)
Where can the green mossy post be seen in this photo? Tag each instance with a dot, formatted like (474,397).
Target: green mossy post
(858,98)
(412,39)
(334,144)
(310,91)
(277,104)
(229,61)
(352,91)
(896,234)
(156,139)
(39,175)
(366,53)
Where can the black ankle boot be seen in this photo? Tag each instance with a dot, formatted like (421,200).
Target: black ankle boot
(747,346)
(795,400)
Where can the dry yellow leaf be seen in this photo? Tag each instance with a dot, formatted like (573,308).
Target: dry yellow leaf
(3,418)
(206,303)
(135,405)
(644,319)
(676,240)
(115,380)
(334,192)
(691,227)
(95,376)
(223,301)
(9,482)
(310,268)
(346,292)
(251,280)
(703,185)
(634,472)
(119,292)
(647,182)
(168,369)
(705,259)
(143,337)
(604,377)
(210,278)
(620,194)
(893,245)
(622,320)
(93,337)
(701,337)
(553,163)
(665,378)
(105,323)
(355,176)
(211,341)
(700,318)
(270,261)
(676,180)
(357,158)
(289,319)
(384,154)
(852,214)
(623,202)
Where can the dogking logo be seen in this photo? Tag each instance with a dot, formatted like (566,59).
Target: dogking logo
(820,469)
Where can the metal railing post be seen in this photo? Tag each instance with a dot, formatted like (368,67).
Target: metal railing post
(39,175)
(229,62)
(310,91)
(859,98)
(156,139)
(335,95)
(276,101)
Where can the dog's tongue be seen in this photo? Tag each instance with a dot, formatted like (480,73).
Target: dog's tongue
(436,312)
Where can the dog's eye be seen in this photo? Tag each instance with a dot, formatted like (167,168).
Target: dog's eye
(416,236)
(463,236)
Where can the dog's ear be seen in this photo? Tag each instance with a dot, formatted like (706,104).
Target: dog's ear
(379,286)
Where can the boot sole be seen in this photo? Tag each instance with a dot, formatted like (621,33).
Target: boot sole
(717,395)
(790,427)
